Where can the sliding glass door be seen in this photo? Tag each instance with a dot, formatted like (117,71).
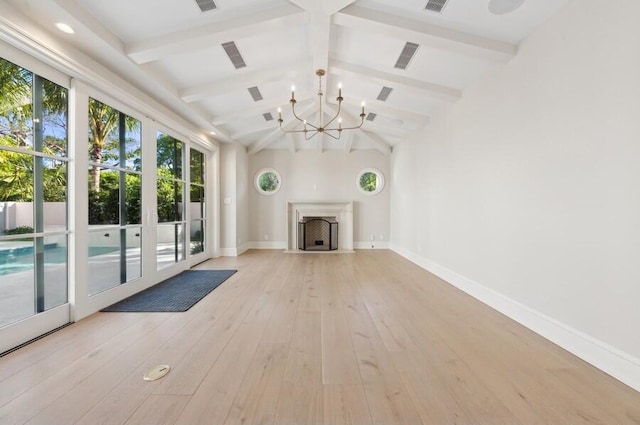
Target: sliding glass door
(33,196)
(170,240)
(115,190)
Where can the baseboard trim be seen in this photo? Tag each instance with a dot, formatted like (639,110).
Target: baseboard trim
(617,363)
(268,245)
(371,245)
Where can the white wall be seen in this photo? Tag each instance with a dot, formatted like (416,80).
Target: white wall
(311,175)
(234,226)
(528,187)
(243,186)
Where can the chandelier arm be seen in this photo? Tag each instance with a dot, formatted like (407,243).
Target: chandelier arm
(350,128)
(332,136)
(293,109)
(310,137)
(336,116)
(297,131)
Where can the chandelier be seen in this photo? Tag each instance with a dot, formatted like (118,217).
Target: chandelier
(311,130)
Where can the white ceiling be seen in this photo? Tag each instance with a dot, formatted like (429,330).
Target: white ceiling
(172,50)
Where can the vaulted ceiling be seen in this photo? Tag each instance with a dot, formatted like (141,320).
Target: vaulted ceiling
(175,51)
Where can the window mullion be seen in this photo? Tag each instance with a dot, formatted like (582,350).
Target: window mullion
(38,190)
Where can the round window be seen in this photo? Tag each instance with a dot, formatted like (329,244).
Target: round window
(268,181)
(370,181)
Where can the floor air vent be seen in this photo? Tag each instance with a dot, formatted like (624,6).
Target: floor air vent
(206,5)
(372,116)
(268,116)
(435,5)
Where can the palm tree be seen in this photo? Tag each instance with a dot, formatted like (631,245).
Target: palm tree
(15,102)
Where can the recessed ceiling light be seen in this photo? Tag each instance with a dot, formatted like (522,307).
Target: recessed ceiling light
(213,133)
(502,7)
(65,28)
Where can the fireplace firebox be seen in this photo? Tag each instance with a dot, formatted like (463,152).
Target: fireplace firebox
(318,234)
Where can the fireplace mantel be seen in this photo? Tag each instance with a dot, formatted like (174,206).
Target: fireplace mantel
(341,210)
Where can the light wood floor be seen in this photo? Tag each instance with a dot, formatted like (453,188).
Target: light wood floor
(365,338)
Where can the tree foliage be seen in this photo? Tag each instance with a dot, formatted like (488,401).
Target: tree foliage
(369,181)
(268,181)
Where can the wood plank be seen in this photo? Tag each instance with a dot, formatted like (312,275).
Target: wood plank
(388,398)
(159,410)
(189,372)
(35,369)
(256,351)
(258,396)
(52,389)
(339,363)
(228,372)
(345,405)
(125,397)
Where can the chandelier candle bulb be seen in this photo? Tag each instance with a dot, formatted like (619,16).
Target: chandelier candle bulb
(293,90)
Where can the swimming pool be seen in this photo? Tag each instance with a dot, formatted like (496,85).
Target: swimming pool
(21,258)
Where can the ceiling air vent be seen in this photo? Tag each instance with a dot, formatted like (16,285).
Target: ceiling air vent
(406,55)
(384,93)
(234,54)
(435,5)
(206,5)
(268,116)
(372,116)
(255,93)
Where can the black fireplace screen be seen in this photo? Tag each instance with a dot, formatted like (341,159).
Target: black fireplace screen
(318,234)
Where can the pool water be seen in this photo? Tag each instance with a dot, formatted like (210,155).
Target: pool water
(20,259)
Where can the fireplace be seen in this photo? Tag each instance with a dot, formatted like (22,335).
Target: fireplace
(340,212)
(318,234)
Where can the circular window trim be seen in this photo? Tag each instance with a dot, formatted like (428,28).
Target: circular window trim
(380,178)
(259,174)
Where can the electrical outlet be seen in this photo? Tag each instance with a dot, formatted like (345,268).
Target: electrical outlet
(381,238)
(373,237)
(266,237)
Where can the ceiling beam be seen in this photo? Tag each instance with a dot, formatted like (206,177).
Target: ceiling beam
(348,142)
(386,130)
(216,33)
(83,18)
(273,136)
(424,33)
(328,7)
(320,143)
(261,107)
(382,108)
(266,125)
(377,142)
(362,73)
(320,13)
(241,81)
(291,141)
